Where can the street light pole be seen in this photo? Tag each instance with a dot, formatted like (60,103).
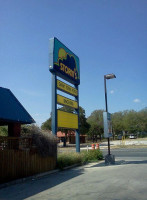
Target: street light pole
(105,94)
(106,110)
(108,76)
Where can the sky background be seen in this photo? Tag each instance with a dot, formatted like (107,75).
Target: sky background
(109,36)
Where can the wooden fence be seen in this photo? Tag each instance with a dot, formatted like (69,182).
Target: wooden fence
(19,163)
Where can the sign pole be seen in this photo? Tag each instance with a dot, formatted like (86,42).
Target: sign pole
(77,141)
(77,131)
(54,104)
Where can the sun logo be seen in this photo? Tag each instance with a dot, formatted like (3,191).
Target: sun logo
(62,54)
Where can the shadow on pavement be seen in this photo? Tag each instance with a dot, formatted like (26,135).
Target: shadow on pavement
(120,162)
(123,162)
(30,188)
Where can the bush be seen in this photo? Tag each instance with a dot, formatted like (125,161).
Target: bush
(92,155)
(45,143)
(3,131)
(67,159)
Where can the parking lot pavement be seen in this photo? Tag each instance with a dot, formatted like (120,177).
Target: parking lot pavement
(126,180)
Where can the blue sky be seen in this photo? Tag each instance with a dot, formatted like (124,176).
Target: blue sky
(109,36)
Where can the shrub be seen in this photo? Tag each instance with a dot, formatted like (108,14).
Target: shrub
(3,131)
(92,155)
(67,159)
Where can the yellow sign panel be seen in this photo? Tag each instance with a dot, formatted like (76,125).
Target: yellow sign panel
(67,102)
(67,88)
(67,120)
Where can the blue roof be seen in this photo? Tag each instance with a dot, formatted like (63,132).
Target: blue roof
(11,109)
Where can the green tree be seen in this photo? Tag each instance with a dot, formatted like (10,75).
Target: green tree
(130,121)
(117,123)
(84,125)
(142,118)
(47,124)
(96,124)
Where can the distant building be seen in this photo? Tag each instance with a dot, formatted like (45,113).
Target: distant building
(12,113)
(71,138)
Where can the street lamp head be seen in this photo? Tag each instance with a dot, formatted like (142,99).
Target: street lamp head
(110,76)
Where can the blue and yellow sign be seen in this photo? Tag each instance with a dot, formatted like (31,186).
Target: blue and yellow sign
(65,63)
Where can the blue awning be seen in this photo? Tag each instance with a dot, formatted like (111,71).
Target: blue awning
(11,109)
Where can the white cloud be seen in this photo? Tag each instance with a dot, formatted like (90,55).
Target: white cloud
(136,100)
(112,92)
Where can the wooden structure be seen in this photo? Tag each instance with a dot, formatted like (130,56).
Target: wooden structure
(19,158)
(12,113)
(15,164)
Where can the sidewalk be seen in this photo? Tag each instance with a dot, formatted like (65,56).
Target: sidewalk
(124,180)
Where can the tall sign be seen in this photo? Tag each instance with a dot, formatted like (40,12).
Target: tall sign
(107,124)
(64,63)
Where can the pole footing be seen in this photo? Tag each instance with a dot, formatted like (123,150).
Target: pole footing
(110,159)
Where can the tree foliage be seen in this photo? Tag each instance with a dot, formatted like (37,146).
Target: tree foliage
(84,125)
(130,121)
(96,124)
(47,124)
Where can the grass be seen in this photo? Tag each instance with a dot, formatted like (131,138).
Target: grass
(68,159)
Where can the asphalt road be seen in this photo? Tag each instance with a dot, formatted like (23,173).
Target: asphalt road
(126,152)
(126,180)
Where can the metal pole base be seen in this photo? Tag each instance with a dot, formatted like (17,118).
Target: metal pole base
(109,159)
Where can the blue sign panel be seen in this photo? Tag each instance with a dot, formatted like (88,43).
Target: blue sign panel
(64,62)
